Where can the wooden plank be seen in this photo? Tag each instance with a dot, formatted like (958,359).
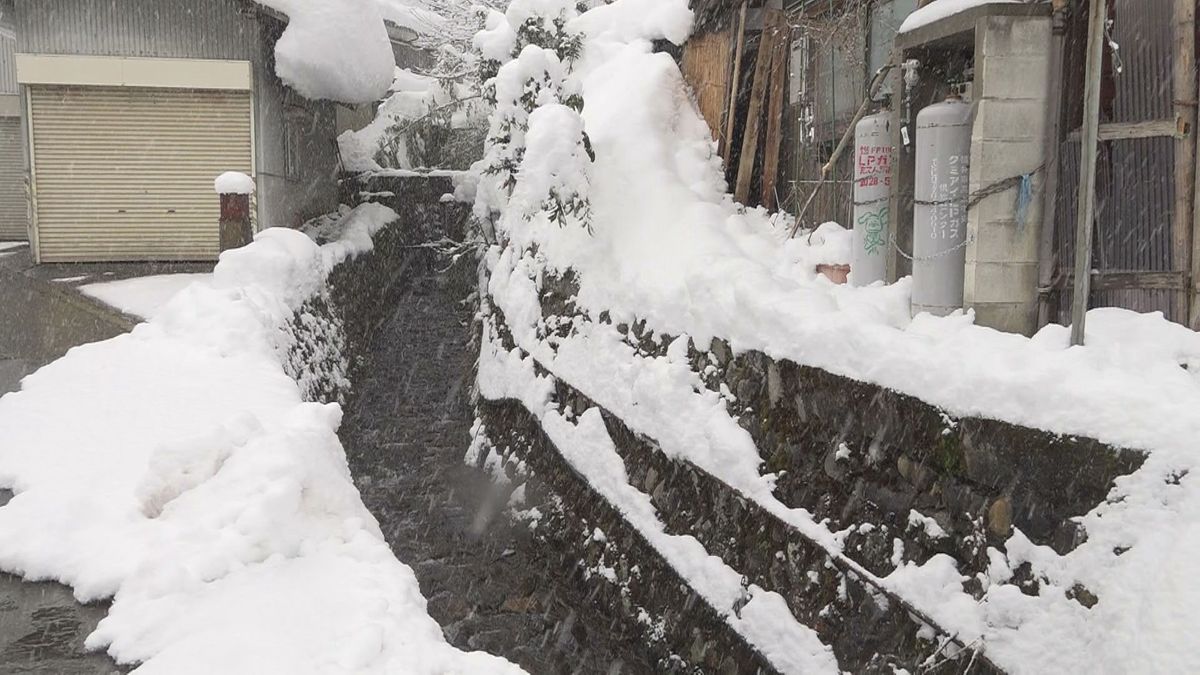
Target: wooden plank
(1084,228)
(1129,280)
(777,92)
(735,84)
(1184,84)
(758,90)
(1122,131)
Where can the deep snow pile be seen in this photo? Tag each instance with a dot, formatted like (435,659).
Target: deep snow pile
(178,469)
(334,49)
(669,246)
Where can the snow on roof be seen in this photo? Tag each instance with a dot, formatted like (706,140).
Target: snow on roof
(334,49)
(940,9)
(412,14)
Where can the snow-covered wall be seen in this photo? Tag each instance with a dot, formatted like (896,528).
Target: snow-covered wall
(893,491)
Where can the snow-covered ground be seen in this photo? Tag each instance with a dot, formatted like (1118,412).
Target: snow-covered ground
(177,470)
(10,247)
(669,246)
(143,296)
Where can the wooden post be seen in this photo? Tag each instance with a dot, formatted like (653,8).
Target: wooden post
(1047,260)
(735,83)
(1184,85)
(758,90)
(778,92)
(235,221)
(1084,228)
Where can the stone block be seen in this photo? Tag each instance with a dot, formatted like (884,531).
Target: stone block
(997,160)
(1010,317)
(1007,282)
(1014,36)
(1009,119)
(1003,241)
(1012,77)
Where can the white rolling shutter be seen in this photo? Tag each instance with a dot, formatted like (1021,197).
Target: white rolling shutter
(124,173)
(14,212)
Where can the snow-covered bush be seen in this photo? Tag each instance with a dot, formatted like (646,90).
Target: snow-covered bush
(537,153)
(427,121)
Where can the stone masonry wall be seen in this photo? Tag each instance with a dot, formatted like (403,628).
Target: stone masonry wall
(865,458)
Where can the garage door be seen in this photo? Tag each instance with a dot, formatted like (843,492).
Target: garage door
(126,173)
(14,213)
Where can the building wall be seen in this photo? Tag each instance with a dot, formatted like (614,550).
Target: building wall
(295,139)
(13,205)
(211,29)
(297,144)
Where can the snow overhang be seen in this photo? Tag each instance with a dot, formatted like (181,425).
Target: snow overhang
(960,25)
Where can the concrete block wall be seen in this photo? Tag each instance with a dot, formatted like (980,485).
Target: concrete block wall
(1008,139)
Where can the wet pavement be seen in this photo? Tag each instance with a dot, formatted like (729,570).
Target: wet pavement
(489,584)
(42,627)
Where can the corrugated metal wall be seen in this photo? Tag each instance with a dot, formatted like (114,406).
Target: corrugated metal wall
(1135,179)
(13,210)
(8,66)
(8,46)
(206,29)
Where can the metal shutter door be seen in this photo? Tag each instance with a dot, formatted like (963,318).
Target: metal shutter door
(14,213)
(127,174)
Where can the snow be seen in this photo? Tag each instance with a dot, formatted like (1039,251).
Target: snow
(763,617)
(143,296)
(941,9)
(670,247)
(412,97)
(334,49)
(631,20)
(234,183)
(413,15)
(178,470)
(9,245)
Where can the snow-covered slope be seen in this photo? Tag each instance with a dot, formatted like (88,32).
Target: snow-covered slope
(178,470)
(669,246)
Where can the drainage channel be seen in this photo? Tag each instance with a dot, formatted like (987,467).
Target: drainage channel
(489,584)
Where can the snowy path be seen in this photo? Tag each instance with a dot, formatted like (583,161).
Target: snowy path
(42,627)
(405,437)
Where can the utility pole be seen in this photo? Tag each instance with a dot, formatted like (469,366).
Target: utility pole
(1097,15)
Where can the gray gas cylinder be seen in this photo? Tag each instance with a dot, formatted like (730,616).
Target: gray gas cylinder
(872,190)
(943,158)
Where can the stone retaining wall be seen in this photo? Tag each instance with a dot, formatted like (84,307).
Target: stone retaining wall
(863,457)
